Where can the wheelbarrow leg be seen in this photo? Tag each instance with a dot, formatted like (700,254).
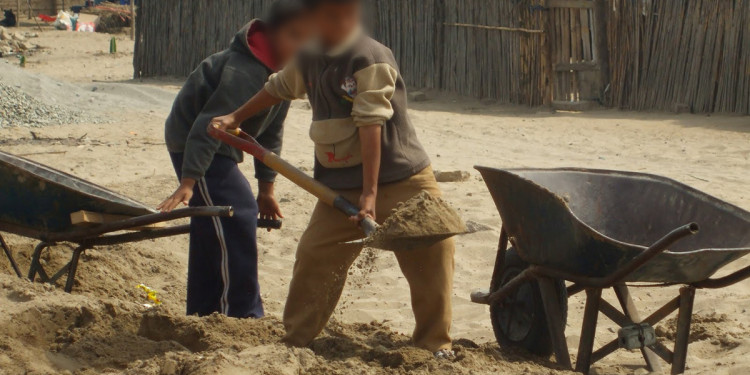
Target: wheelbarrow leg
(73,268)
(36,265)
(684,319)
(628,307)
(10,256)
(588,332)
(553,311)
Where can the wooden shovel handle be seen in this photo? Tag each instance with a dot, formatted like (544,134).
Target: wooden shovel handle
(245,142)
(300,178)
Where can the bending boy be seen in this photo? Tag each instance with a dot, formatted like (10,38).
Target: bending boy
(222,265)
(365,148)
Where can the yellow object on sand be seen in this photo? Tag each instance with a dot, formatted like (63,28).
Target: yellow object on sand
(150,294)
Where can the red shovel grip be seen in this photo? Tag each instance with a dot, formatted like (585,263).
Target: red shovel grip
(239,140)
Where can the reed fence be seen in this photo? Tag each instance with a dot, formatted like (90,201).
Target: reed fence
(413,31)
(688,52)
(174,36)
(492,49)
(661,53)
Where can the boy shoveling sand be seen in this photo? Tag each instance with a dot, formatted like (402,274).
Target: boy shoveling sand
(367,150)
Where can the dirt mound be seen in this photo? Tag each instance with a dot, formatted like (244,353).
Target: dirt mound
(716,328)
(43,330)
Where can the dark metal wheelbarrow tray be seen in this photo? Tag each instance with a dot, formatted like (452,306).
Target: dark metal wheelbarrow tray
(54,207)
(567,231)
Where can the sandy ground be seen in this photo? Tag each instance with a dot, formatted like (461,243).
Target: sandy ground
(103,328)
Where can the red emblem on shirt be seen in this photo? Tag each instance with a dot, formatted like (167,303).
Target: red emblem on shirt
(332,158)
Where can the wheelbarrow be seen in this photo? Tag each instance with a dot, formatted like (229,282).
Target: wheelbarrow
(54,207)
(596,230)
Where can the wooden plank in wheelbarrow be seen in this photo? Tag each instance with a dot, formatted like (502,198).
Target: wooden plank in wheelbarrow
(88,218)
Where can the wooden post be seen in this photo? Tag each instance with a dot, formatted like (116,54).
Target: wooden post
(684,318)
(602,45)
(28,2)
(132,19)
(588,332)
(553,311)
(547,58)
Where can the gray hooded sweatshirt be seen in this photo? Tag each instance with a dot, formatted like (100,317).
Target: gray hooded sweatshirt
(221,84)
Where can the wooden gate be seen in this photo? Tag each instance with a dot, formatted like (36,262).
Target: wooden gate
(577,51)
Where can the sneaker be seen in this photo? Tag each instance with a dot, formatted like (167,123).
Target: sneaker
(445,354)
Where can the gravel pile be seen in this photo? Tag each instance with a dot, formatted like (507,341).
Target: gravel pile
(20,109)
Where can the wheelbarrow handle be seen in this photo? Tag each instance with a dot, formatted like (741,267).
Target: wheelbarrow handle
(605,282)
(270,224)
(723,282)
(139,221)
(590,282)
(657,248)
(243,141)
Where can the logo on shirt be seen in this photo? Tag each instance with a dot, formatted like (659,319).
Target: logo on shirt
(333,159)
(349,85)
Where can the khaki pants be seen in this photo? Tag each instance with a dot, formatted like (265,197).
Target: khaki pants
(323,261)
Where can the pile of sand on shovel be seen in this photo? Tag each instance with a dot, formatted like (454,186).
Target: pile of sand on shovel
(417,223)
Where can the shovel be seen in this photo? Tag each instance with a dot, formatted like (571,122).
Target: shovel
(389,237)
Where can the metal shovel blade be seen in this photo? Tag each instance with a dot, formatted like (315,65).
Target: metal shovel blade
(408,243)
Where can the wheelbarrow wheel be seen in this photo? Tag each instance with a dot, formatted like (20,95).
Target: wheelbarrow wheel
(519,320)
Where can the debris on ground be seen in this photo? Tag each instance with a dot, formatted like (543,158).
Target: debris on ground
(679,108)
(417,96)
(112,18)
(15,42)
(452,176)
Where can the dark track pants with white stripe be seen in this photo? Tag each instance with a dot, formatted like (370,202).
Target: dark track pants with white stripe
(223,261)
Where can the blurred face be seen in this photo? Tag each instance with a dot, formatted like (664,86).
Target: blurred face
(290,37)
(335,22)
